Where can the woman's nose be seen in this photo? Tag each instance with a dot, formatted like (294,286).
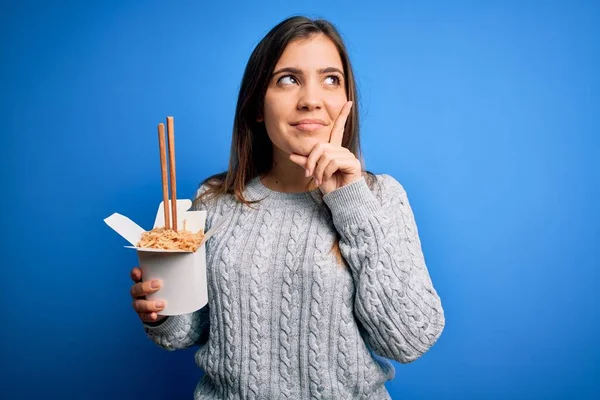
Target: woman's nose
(309,98)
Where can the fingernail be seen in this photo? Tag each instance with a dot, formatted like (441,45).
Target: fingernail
(155,284)
(317,182)
(307,173)
(159,304)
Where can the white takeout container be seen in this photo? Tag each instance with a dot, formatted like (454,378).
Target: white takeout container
(183,273)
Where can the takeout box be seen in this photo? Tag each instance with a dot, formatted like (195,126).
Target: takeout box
(183,273)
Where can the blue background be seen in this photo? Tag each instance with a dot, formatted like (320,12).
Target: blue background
(487,112)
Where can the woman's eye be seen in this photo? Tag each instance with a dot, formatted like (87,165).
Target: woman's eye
(286,80)
(332,80)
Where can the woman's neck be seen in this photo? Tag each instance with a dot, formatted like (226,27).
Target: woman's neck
(286,176)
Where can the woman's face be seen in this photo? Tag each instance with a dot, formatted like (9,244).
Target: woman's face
(305,95)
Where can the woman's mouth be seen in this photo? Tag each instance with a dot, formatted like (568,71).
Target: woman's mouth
(308,125)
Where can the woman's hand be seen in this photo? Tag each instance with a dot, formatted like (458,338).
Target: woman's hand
(331,165)
(147,310)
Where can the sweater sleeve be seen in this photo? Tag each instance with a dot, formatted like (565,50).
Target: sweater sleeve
(395,301)
(180,331)
(183,331)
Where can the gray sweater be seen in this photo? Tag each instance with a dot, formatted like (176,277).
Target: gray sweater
(288,317)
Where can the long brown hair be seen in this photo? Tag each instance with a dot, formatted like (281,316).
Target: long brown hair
(251,149)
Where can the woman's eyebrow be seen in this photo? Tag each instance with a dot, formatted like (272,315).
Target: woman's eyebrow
(288,69)
(329,70)
(299,72)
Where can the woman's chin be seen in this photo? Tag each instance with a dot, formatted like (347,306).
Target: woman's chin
(304,147)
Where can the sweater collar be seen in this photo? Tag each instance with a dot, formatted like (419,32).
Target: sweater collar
(256,190)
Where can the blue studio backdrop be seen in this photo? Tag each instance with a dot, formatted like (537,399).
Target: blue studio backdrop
(487,112)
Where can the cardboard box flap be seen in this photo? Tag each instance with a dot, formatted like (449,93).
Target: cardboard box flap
(125,227)
(193,221)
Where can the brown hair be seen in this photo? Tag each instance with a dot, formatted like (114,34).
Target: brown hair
(251,149)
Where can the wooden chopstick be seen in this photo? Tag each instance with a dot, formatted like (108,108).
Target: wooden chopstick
(163,173)
(171,136)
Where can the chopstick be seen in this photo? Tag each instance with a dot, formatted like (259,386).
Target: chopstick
(162,146)
(171,134)
(163,172)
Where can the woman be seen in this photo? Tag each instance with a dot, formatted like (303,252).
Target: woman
(319,273)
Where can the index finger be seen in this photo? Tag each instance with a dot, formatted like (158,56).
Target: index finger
(337,133)
(141,289)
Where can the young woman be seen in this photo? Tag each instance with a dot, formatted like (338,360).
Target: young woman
(319,274)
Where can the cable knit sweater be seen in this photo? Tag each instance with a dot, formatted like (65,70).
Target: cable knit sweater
(287,317)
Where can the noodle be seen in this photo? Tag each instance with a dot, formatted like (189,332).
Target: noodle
(168,239)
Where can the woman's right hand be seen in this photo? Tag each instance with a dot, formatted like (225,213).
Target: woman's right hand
(147,310)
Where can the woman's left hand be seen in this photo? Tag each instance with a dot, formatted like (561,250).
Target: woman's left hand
(331,165)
